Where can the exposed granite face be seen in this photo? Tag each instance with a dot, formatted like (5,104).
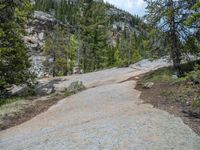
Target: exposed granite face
(123,21)
(37,27)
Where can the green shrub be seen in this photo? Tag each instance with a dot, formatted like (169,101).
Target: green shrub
(190,66)
(66,93)
(163,74)
(196,102)
(181,97)
(194,76)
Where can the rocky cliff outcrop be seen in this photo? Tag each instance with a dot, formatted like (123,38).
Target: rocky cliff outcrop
(37,27)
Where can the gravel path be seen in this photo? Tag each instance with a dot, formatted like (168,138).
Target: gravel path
(107,116)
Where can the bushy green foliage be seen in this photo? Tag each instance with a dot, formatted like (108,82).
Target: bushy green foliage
(14,59)
(194,76)
(116,57)
(195,17)
(94,29)
(196,102)
(160,75)
(45,5)
(169,16)
(136,56)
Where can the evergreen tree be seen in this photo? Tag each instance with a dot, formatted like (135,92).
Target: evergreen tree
(14,60)
(57,50)
(94,30)
(192,45)
(194,19)
(169,16)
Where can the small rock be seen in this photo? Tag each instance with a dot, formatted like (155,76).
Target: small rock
(188,103)
(48,91)
(75,87)
(137,78)
(41,36)
(148,85)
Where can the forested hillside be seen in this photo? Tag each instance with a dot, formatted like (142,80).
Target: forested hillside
(98,35)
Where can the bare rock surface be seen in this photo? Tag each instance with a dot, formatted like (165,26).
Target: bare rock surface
(109,115)
(37,28)
(146,64)
(98,78)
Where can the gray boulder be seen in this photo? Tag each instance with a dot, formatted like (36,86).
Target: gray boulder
(75,87)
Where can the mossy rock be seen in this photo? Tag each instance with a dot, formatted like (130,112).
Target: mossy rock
(75,87)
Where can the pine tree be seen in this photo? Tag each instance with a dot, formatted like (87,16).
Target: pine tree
(57,51)
(14,60)
(94,30)
(194,19)
(168,16)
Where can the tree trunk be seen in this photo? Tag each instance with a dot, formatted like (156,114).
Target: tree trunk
(54,67)
(84,59)
(175,50)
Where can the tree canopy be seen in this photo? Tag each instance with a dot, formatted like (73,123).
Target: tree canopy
(14,58)
(169,16)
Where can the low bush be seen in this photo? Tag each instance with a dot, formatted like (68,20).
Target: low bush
(163,74)
(194,75)
(196,102)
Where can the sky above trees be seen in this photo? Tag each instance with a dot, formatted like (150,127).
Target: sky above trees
(136,7)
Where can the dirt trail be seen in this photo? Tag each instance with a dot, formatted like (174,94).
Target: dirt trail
(109,116)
